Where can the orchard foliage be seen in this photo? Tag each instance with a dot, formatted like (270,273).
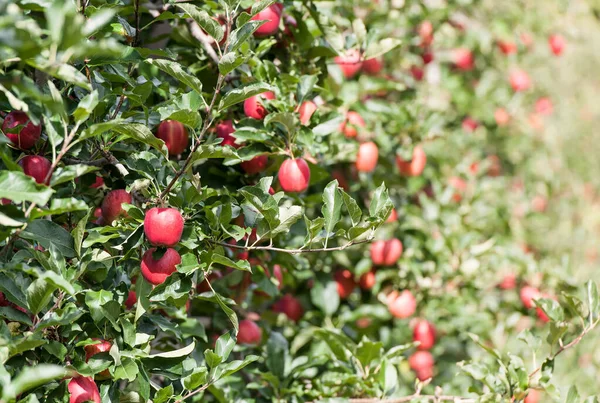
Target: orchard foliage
(276,201)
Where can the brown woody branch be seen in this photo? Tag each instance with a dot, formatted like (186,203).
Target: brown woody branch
(291,251)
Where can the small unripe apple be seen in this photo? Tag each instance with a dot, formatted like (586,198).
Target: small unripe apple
(415,166)
(460,185)
(507,47)
(533,396)
(272,15)
(163,226)
(112,205)
(225,130)
(424,332)
(401,305)
(253,107)
(345,282)
(366,159)
(27,136)
(393,216)
(351,124)
(509,281)
(544,106)
(294,175)
(156,271)
(350,63)
(557,44)
(175,136)
(203,286)
(372,66)
(463,59)
(528,294)
(519,80)
(306,111)
(289,306)
(501,116)
(37,167)
(98,183)
(417,72)
(422,363)
(83,389)
(469,124)
(249,333)
(255,165)
(367,280)
(386,253)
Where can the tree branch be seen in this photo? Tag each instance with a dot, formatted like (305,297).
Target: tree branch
(290,251)
(204,39)
(200,389)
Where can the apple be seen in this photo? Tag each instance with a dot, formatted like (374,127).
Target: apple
(393,216)
(253,108)
(37,167)
(294,175)
(501,116)
(557,44)
(463,59)
(98,183)
(366,159)
(212,276)
(543,106)
(112,205)
(131,299)
(306,111)
(469,124)
(93,349)
(290,306)
(519,80)
(98,215)
(460,185)
(363,323)
(225,130)
(345,282)
(415,166)
(507,47)
(386,253)
(533,396)
(163,226)
(255,165)
(417,72)
(83,389)
(373,66)
(272,15)
(24,137)
(401,305)
(539,204)
(424,332)
(526,39)
(540,312)
(422,363)
(427,57)
(4,201)
(367,280)
(341,178)
(288,22)
(350,63)
(509,281)
(175,136)
(351,124)
(278,274)
(535,121)
(528,294)
(156,271)
(249,333)
(425,31)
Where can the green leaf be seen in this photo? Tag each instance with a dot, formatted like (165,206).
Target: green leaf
(381,204)
(174,287)
(325,296)
(285,119)
(331,210)
(99,129)
(224,345)
(205,21)
(70,172)
(367,351)
(181,352)
(225,261)
(61,206)
(305,86)
(277,354)
(79,232)
(242,34)
(32,377)
(142,134)
(85,107)
(18,187)
(196,378)
(176,71)
(39,294)
(242,93)
(235,366)
(47,233)
(381,47)
(127,370)
(551,308)
(352,207)
(288,216)
(228,311)
(229,62)
(331,126)
(593,300)
(573,395)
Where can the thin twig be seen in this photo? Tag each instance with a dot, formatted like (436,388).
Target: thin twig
(431,398)
(200,389)
(204,39)
(291,251)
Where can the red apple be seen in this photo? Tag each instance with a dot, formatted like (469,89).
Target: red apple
(341,178)
(350,63)
(175,136)
(509,281)
(393,216)
(501,116)
(163,226)
(290,306)
(557,44)
(366,159)
(24,137)
(345,282)
(417,73)
(156,271)
(543,106)
(255,165)
(424,332)
(534,396)
(469,124)
(427,57)
(83,389)
(112,205)
(351,124)
(539,204)
(253,107)
(306,111)
(460,185)
(99,182)
(367,280)
(203,286)
(528,294)
(272,15)
(401,305)
(526,39)
(463,59)
(37,167)
(415,166)
(131,299)
(249,333)
(373,66)
(519,80)
(507,47)
(225,130)
(386,253)
(93,349)
(422,363)
(425,31)
(294,175)
(278,274)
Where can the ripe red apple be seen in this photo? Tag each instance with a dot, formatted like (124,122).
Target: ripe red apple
(27,135)
(131,299)
(341,178)
(367,280)
(424,332)
(225,130)
(507,47)
(277,273)
(99,182)
(417,72)
(469,124)
(415,166)
(255,165)
(557,44)
(528,294)
(93,349)
(393,216)
(463,59)
(306,111)
(290,306)
(203,286)
(249,333)
(534,396)
(37,167)
(345,282)
(350,63)
(425,31)
(519,80)
(501,116)
(386,253)
(460,185)
(543,106)
(366,159)
(509,281)
(156,271)
(83,389)
(422,363)
(163,226)
(253,107)
(373,66)
(427,57)
(175,136)
(294,175)
(111,205)
(272,15)
(401,305)
(351,124)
